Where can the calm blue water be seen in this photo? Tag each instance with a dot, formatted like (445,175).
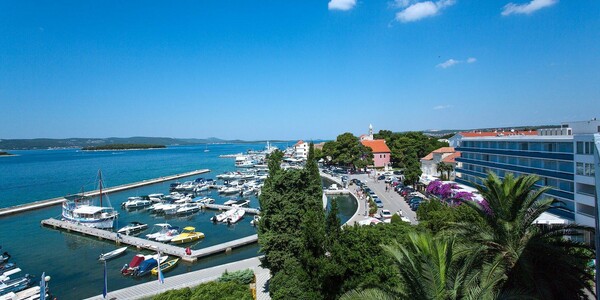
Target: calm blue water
(71,259)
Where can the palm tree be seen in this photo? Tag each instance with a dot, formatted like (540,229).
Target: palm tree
(541,261)
(444,167)
(431,267)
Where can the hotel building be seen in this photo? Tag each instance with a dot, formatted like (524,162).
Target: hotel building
(562,157)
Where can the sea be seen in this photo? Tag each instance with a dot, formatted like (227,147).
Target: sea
(71,260)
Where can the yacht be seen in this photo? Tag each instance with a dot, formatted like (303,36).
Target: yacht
(79,209)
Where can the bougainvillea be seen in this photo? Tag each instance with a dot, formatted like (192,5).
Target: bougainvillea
(464,196)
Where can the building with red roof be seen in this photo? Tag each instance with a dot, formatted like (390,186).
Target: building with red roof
(381,152)
(430,162)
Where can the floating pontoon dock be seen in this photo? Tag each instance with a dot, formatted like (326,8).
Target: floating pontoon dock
(151,245)
(54,201)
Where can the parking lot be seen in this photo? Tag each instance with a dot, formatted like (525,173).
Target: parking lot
(391,200)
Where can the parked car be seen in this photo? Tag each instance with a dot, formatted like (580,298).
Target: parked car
(415,206)
(400,172)
(378,202)
(385,214)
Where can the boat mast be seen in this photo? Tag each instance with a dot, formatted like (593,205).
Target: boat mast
(100,184)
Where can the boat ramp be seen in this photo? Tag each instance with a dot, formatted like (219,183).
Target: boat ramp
(151,245)
(55,201)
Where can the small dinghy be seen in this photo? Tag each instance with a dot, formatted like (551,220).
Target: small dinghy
(166,266)
(112,254)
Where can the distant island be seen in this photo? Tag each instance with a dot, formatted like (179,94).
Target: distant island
(123,147)
(72,143)
(2,153)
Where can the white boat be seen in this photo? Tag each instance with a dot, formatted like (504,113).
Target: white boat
(255,220)
(204,200)
(188,208)
(156,197)
(168,235)
(186,186)
(222,216)
(131,228)
(136,202)
(229,190)
(79,209)
(234,217)
(162,230)
(201,188)
(237,203)
(170,209)
(184,199)
(112,254)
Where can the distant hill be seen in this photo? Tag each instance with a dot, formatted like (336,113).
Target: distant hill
(25,144)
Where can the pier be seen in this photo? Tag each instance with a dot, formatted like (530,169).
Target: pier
(150,245)
(55,201)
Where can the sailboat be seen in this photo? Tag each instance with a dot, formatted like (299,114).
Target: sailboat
(79,209)
(206,148)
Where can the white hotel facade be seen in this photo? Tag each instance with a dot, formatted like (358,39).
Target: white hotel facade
(564,158)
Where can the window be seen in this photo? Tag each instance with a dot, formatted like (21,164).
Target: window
(585,209)
(585,169)
(579,147)
(586,189)
(524,146)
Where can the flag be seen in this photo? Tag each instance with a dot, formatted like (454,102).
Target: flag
(43,287)
(161,278)
(105,290)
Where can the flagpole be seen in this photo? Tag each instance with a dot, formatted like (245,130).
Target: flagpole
(161,278)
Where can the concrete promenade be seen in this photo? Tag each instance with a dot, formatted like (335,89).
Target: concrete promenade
(54,201)
(191,279)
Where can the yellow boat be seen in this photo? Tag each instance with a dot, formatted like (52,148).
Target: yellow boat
(166,266)
(189,234)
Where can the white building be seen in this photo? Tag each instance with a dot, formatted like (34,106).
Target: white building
(562,157)
(301,150)
(430,162)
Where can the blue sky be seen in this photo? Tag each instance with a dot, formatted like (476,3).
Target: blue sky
(293,69)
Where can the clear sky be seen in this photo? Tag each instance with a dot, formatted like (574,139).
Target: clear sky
(309,69)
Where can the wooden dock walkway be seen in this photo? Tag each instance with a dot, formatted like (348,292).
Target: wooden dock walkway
(151,245)
(55,201)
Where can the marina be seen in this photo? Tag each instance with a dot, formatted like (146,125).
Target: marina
(65,246)
(59,200)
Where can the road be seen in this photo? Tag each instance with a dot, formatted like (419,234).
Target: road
(392,201)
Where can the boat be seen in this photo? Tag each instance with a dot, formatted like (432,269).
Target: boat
(78,209)
(4,257)
(237,203)
(166,266)
(155,197)
(229,190)
(131,267)
(201,188)
(234,217)
(145,267)
(169,209)
(136,202)
(133,227)
(169,235)
(204,200)
(255,220)
(8,272)
(15,285)
(7,267)
(222,216)
(161,229)
(112,254)
(188,208)
(189,234)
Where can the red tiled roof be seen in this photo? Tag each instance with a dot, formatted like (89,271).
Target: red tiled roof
(378,146)
(299,142)
(450,158)
(444,150)
(428,156)
(491,133)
